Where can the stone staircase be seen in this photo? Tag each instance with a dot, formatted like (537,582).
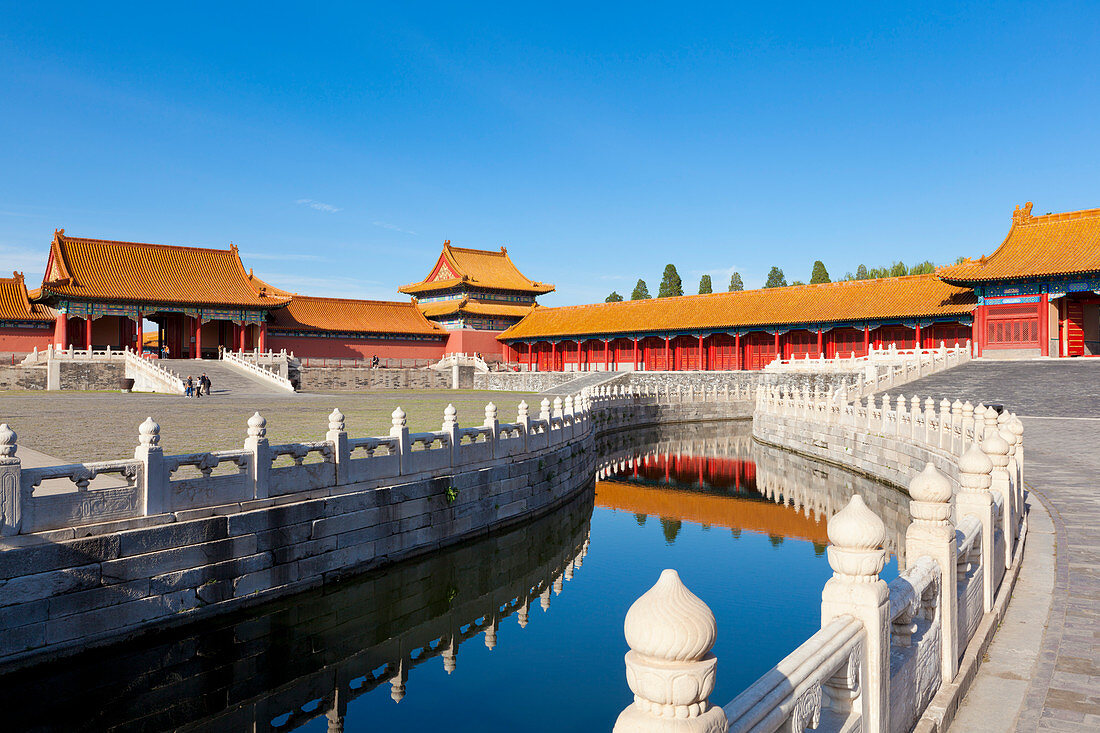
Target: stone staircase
(584,379)
(224,379)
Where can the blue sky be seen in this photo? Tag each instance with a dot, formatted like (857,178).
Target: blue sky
(339,145)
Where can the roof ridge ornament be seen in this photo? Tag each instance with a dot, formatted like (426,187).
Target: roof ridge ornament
(1022,216)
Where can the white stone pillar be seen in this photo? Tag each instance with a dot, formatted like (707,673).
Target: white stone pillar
(974,499)
(493,424)
(856,556)
(454,437)
(669,667)
(996,447)
(11,513)
(339,439)
(154,472)
(524,421)
(932,534)
(256,443)
(399,429)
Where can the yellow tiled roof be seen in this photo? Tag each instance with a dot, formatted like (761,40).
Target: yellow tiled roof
(894,297)
(132,271)
(474,307)
(306,313)
(15,304)
(476,268)
(1037,246)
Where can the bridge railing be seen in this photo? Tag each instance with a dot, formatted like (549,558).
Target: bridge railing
(884,650)
(255,367)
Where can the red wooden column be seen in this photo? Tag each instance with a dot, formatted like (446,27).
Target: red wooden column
(702,365)
(738,361)
(820,341)
(1044,325)
(198,337)
(635,354)
(778,347)
(668,355)
(60,327)
(88,332)
(553,356)
(866,340)
(262,337)
(606,355)
(916,339)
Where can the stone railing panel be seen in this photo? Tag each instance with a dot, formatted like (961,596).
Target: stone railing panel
(231,484)
(85,505)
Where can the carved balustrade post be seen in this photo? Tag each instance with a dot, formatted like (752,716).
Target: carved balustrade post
(339,439)
(931,533)
(493,424)
(1016,427)
(11,513)
(916,419)
(974,499)
(559,415)
(900,417)
(996,448)
(524,421)
(669,667)
(154,472)
(856,556)
(399,429)
(256,444)
(454,436)
(959,443)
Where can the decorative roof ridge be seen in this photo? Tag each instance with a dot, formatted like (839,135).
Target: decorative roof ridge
(1024,217)
(735,293)
(502,253)
(66,237)
(354,300)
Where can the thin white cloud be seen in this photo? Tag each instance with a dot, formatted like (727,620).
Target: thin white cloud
(319,206)
(392,227)
(333,287)
(284,257)
(23,259)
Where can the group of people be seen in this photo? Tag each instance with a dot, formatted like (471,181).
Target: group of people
(193,389)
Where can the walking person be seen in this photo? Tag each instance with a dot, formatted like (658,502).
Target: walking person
(189,387)
(204,384)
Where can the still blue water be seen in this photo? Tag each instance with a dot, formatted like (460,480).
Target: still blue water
(758,563)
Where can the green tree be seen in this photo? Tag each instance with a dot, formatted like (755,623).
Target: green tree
(641,291)
(861,273)
(613,298)
(898,269)
(704,285)
(776,279)
(671,285)
(922,268)
(797,282)
(735,282)
(819,274)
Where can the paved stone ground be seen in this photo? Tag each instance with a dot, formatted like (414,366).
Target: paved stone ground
(95,426)
(1060,405)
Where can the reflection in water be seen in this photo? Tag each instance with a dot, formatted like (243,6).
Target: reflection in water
(742,523)
(714,474)
(290,661)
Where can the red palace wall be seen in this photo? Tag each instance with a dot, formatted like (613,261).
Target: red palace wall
(470,341)
(24,340)
(335,348)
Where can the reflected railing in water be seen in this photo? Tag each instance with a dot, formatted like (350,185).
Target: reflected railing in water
(715,474)
(283,664)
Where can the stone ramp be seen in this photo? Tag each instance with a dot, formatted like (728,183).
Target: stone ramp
(586,379)
(224,379)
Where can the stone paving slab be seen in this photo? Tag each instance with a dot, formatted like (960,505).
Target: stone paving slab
(1059,402)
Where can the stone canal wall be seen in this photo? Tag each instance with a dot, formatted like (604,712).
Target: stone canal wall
(336,379)
(95,552)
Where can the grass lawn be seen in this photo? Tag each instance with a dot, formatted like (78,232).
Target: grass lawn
(95,426)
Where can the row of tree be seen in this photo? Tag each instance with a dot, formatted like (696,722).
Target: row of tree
(672,285)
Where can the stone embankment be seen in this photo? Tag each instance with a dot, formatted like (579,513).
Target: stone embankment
(889,657)
(93,552)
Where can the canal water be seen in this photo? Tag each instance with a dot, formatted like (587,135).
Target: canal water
(521,630)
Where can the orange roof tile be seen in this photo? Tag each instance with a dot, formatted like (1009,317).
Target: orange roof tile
(15,304)
(306,313)
(98,269)
(476,268)
(1037,246)
(735,512)
(474,307)
(893,297)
